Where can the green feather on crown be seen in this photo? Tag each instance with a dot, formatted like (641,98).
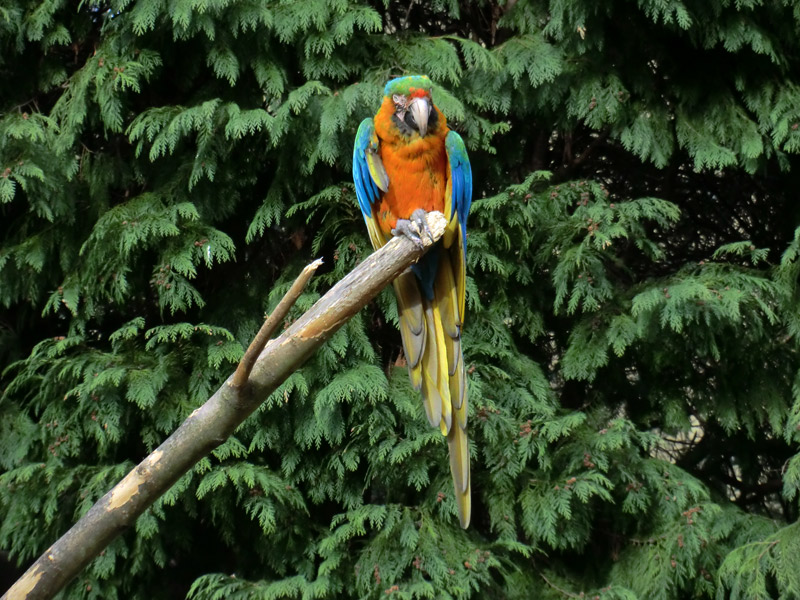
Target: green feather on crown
(405,85)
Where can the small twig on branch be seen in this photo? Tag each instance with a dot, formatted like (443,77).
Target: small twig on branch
(408,14)
(769,547)
(211,424)
(558,589)
(267,329)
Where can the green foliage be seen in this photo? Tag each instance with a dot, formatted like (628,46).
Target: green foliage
(166,169)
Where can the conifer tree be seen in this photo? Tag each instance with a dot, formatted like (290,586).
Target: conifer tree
(633,311)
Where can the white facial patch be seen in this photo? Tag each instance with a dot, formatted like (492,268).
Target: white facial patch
(401,105)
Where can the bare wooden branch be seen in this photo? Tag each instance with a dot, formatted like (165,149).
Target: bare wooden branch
(212,423)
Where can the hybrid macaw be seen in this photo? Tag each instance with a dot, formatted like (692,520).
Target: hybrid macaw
(406,162)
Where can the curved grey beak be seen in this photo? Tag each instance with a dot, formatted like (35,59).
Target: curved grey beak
(420,110)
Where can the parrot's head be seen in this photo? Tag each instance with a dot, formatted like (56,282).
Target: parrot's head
(413,107)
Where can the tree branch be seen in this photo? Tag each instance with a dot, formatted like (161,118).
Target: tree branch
(211,424)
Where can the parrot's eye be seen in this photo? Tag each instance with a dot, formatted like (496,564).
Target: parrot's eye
(400,105)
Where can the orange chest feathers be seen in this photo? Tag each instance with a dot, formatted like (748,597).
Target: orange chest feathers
(417,170)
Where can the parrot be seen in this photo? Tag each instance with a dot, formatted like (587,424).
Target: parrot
(406,163)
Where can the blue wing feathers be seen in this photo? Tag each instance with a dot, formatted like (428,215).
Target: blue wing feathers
(366,190)
(460,180)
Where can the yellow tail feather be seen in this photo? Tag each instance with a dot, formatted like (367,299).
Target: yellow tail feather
(442,375)
(431,331)
(458,444)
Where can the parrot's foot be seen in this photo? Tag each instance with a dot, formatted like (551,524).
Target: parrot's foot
(414,228)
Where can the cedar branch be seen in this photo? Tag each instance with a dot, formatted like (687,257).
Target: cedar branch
(213,422)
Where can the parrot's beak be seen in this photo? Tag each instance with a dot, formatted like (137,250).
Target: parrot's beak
(420,109)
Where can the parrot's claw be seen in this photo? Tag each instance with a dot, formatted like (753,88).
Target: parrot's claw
(414,228)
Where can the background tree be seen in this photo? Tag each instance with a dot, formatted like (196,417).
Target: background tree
(167,167)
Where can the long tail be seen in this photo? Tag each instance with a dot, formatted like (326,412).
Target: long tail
(431,331)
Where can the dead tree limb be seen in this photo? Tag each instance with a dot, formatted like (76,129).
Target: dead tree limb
(213,422)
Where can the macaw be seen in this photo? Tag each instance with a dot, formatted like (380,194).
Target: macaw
(407,162)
